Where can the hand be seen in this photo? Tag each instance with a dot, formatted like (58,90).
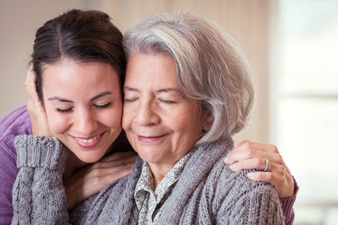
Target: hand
(35,107)
(90,180)
(251,155)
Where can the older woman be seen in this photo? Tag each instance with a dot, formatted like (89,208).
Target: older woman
(187,91)
(185,83)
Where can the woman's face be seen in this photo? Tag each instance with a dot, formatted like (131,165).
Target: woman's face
(83,104)
(161,125)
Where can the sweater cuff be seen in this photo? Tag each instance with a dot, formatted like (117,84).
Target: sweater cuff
(287,206)
(39,151)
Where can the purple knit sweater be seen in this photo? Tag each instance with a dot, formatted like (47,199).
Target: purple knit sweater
(16,123)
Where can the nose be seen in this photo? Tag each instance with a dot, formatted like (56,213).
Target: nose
(146,114)
(85,122)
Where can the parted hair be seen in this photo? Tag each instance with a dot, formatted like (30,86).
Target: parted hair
(79,35)
(211,67)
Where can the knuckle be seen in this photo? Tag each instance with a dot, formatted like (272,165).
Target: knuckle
(274,148)
(280,169)
(97,181)
(268,176)
(258,163)
(246,144)
(96,169)
(250,153)
(279,158)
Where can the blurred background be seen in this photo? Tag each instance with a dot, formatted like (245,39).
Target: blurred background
(292,46)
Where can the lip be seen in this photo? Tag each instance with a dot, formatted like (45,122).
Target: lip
(88,142)
(150,139)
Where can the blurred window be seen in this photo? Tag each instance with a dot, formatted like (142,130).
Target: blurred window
(305,104)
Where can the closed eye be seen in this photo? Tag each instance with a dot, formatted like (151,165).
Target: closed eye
(167,102)
(102,106)
(66,110)
(126,100)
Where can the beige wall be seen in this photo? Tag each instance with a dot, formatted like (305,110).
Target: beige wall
(247,21)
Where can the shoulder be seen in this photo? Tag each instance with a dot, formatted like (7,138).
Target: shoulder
(234,184)
(236,190)
(234,194)
(239,181)
(15,122)
(12,124)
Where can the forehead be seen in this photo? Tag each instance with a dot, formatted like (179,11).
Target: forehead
(79,75)
(68,66)
(145,69)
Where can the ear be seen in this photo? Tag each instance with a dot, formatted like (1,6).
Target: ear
(208,121)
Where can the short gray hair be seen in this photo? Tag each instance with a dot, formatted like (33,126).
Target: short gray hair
(210,65)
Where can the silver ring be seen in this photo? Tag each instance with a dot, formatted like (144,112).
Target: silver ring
(267,166)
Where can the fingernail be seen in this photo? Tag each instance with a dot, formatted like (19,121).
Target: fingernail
(250,175)
(226,159)
(233,167)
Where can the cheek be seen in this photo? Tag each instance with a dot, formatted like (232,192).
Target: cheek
(188,126)
(57,123)
(127,117)
(125,121)
(112,119)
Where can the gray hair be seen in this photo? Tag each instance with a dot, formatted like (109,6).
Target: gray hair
(210,65)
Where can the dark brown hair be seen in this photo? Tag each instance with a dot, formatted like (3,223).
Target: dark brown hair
(83,36)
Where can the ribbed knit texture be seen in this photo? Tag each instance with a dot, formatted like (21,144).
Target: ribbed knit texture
(208,192)
(42,162)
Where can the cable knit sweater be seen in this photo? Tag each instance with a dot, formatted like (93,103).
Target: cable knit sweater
(206,193)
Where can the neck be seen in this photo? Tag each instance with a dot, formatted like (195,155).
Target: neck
(72,165)
(159,172)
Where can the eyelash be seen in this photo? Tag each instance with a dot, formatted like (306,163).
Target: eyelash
(128,100)
(167,102)
(103,106)
(64,110)
(71,109)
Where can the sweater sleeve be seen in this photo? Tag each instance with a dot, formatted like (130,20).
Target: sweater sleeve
(8,172)
(14,123)
(249,203)
(287,206)
(38,192)
(263,206)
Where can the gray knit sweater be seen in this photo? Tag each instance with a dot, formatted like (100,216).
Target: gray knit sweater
(208,192)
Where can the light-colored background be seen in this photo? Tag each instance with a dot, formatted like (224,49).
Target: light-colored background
(248,21)
(292,47)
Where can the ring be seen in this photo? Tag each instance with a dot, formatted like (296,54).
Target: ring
(267,166)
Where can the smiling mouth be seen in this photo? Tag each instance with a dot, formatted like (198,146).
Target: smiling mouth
(87,140)
(150,139)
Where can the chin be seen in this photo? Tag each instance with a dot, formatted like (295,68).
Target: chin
(88,158)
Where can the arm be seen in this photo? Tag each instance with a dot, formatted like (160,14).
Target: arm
(38,192)
(251,155)
(259,206)
(91,179)
(8,173)
(287,206)
(15,122)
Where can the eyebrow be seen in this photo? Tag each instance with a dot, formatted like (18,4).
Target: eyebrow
(105,93)
(127,88)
